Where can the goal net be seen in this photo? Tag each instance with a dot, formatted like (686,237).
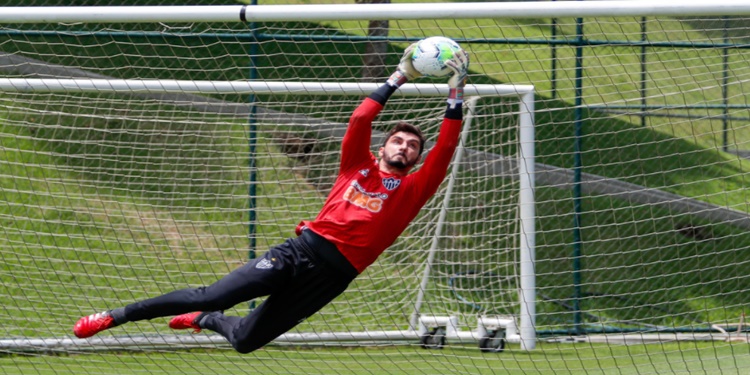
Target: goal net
(131,188)
(151,187)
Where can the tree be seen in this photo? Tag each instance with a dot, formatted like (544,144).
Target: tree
(373,61)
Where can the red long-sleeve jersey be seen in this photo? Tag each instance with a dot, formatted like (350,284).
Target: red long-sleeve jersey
(367,209)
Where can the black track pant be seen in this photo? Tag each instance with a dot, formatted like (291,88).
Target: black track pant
(297,281)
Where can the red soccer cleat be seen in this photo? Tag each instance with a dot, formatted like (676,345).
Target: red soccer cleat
(93,324)
(186,321)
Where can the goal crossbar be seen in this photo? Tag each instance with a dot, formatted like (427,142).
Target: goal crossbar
(87,85)
(330,12)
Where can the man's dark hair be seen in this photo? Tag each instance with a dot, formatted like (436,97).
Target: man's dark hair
(406,128)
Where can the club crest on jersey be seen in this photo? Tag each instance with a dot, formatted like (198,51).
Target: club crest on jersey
(391,183)
(364,172)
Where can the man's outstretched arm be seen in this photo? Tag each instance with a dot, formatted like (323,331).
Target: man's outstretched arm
(437,161)
(356,144)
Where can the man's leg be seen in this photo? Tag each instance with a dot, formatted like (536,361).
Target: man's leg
(283,310)
(258,278)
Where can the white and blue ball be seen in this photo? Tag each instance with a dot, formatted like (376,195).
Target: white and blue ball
(431,54)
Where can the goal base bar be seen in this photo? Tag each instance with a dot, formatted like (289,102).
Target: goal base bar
(188,341)
(449,325)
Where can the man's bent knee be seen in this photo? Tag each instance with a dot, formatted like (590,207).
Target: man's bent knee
(245,347)
(246,341)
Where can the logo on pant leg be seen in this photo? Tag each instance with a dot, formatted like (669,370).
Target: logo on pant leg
(264,264)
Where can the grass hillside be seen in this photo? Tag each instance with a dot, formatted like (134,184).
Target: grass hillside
(636,264)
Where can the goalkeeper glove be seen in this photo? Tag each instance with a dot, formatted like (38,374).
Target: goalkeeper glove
(459,64)
(405,70)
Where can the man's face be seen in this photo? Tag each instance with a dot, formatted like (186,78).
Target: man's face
(401,151)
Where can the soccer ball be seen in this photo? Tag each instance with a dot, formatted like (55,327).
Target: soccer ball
(431,54)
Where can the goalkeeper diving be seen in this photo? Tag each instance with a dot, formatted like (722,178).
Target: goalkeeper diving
(371,203)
